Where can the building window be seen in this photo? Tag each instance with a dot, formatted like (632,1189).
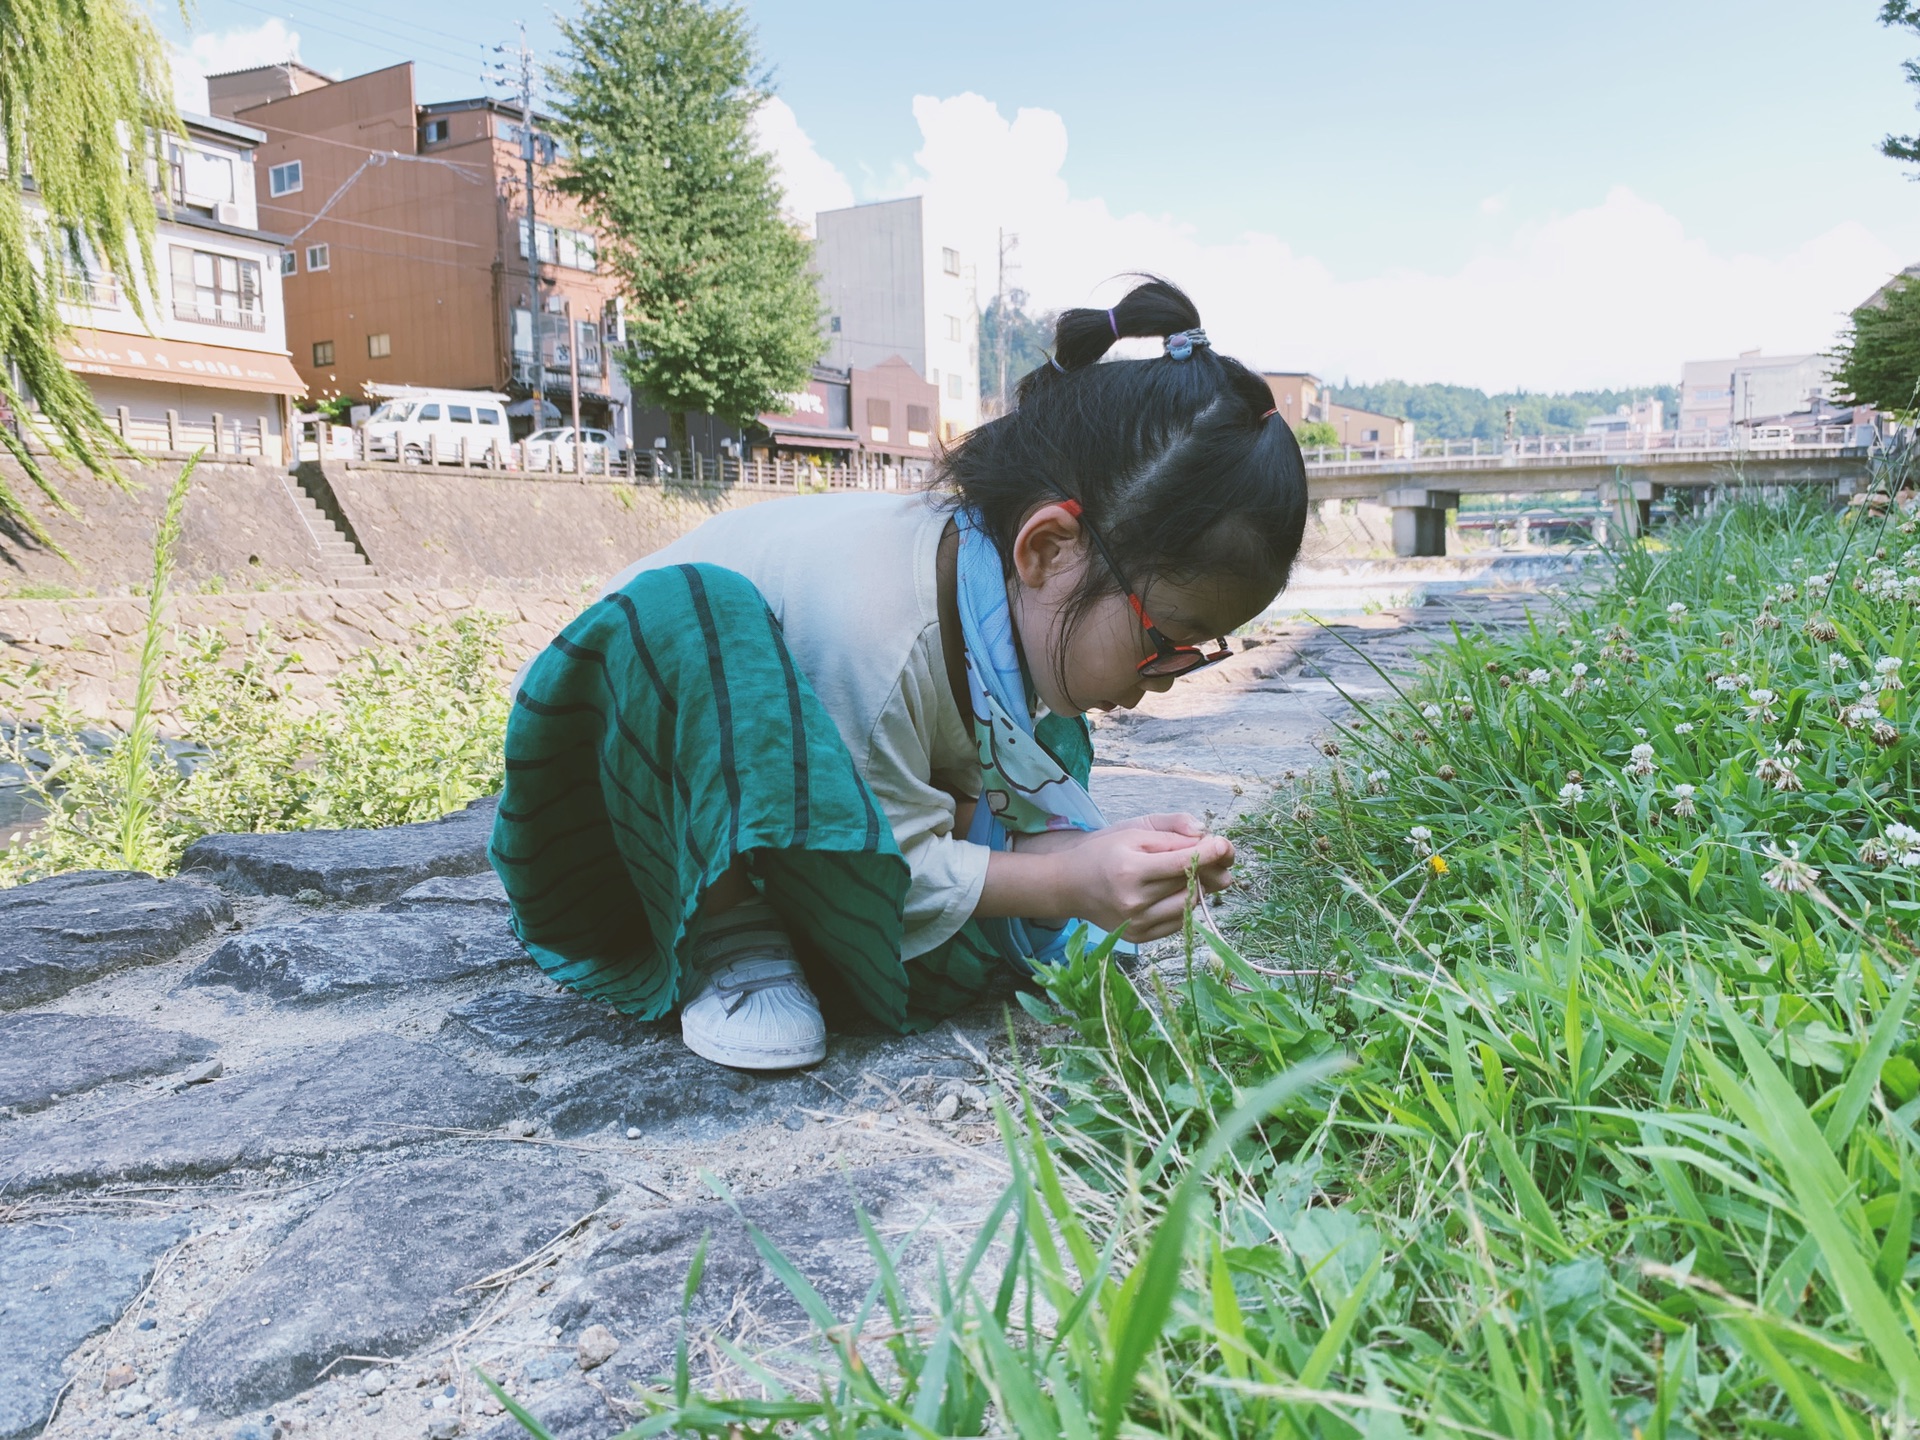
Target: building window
(953,384)
(289,262)
(589,346)
(319,257)
(433,132)
(380,346)
(217,289)
(950,261)
(880,420)
(284,179)
(953,327)
(919,424)
(833,324)
(322,354)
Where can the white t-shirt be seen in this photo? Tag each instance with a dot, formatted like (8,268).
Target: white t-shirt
(852,578)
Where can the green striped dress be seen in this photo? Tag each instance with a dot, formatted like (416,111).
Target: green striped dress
(664,732)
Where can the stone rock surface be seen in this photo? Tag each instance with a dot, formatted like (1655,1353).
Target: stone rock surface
(380,1269)
(63,1278)
(59,933)
(332,957)
(550,1019)
(357,866)
(575,1410)
(44,1057)
(481,890)
(372,1092)
(633,1282)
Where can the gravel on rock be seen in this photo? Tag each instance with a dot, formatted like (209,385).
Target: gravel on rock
(62,1279)
(70,929)
(372,1092)
(378,1269)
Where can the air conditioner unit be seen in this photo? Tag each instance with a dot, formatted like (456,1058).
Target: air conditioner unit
(227,213)
(556,304)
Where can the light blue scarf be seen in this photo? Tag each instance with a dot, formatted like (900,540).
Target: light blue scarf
(1024,790)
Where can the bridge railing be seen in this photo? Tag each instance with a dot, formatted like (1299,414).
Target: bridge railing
(1474,453)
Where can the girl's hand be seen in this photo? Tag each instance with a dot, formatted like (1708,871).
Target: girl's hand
(1214,876)
(1136,876)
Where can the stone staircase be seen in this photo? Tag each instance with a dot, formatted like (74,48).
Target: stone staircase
(343,563)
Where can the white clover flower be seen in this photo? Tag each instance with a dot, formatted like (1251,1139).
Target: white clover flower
(1886,665)
(1875,853)
(1577,668)
(1538,677)
(1377,781)
(1766,769)
(1733,579)
(1867,687)
(1685,727)
(1432,712)
(1572,793)
(1683,801)
(1791,875)
(1818,585)
(1726,683)
(1904,843)
(1641,731)
(1676,611)
(1785,594)
(1856,716)
(1758,702)
(1836,661)
(1789,776)
(1421,839)
(1303,814)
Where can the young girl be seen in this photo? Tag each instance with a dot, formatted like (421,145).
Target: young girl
(837,743)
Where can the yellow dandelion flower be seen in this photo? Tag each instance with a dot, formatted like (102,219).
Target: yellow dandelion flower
(1437,864)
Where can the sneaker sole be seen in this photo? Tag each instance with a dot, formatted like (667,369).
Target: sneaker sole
(741,1057)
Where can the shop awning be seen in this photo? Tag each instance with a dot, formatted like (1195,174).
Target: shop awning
(181,362)
(801,438)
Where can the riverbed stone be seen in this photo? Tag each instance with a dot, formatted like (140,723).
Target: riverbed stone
(633,1282)
(372,1092)
(70,929)
(332,957)
(62,1279)
(44,1057)
(357,866)
(378,1269)
(548,1019)
(571,1410)
(481,891)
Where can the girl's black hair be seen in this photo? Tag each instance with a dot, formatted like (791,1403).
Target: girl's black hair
(1180,464)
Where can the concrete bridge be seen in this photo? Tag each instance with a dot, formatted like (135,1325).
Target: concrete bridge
(1619,475)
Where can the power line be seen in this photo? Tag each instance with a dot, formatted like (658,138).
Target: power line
(320,17)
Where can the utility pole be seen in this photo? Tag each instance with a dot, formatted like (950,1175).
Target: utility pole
(1002,353)
(528,149)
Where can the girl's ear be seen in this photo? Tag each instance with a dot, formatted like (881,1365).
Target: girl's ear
(1050,543)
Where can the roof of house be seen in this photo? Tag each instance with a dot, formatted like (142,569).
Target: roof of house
(281,65)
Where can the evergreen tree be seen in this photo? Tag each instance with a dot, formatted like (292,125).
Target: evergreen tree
(1879,357)
(1028,338)
(1906,15)
(656,106)
(84,91)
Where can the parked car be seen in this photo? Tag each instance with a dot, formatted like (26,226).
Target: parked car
(446,426)
(557,445)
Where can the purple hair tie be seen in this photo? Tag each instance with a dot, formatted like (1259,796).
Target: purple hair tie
(1113,325)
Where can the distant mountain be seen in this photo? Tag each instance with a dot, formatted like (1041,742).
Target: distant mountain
(1459,412)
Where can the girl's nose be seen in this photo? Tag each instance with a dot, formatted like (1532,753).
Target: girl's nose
(1158,684)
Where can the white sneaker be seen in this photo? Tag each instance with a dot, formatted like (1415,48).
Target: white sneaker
(747,1003)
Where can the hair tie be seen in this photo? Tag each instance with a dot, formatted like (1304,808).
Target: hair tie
(1113,325)
(1054,360)
(1181,343)
(1268,416)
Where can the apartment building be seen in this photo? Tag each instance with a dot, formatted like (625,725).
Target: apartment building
(409,259)
(894,288)
(1752,389)
(202,363)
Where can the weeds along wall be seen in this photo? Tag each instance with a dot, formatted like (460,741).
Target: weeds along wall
(242,525)
(427,527)
(90,648)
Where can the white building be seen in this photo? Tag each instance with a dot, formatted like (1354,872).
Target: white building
(1646,416)
(894,288)
(1752,389)
(204,362)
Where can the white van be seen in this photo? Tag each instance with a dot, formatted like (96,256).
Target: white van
(449,427)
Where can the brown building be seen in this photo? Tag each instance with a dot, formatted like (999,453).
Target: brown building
(884,416)
(1300,398)
(407,254)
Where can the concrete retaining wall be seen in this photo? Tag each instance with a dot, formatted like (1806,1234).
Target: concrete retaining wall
(422,527)
(241,524)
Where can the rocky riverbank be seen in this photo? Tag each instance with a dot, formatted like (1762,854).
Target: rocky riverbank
(291,1143)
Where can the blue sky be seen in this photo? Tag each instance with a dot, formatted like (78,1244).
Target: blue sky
(1389,189)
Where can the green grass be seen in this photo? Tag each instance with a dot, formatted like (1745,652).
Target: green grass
(1512,1108)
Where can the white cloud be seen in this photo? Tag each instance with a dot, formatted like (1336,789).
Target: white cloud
(216,53)
(1615,293)
(809,178)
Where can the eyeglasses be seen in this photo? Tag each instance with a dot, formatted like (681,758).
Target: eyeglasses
(1168,659)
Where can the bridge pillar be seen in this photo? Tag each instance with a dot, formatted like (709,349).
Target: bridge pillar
(1627,508)
(1420,519)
